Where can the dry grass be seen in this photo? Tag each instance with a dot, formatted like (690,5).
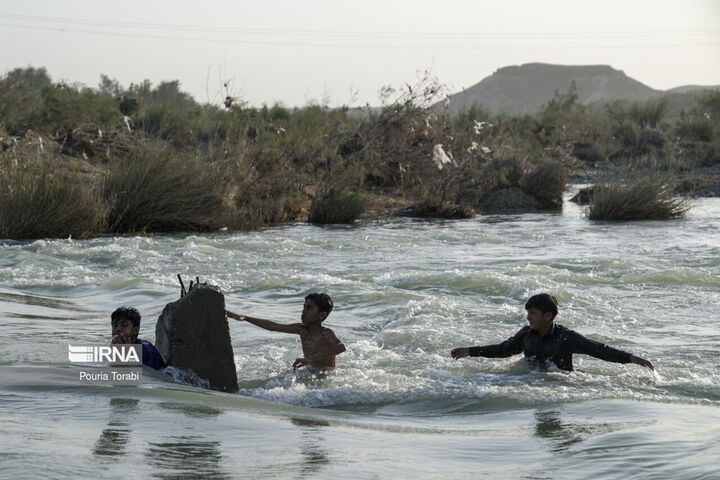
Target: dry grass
(336,206)
(39,201)
(635,196)
(546,182)
(160,192)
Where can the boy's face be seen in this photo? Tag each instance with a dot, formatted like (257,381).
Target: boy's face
(123,326)
(311,313)
(539,321)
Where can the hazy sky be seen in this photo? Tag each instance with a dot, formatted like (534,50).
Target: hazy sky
(343,52)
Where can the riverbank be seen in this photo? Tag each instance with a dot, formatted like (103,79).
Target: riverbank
(82,162)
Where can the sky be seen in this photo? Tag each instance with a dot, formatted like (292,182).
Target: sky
(341,52)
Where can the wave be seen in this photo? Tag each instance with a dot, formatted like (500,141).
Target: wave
(455,281)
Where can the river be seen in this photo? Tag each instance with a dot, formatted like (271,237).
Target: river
(397,406)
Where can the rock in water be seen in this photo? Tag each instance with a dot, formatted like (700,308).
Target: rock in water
(192,333)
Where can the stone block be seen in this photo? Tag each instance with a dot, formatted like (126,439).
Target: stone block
(193,334)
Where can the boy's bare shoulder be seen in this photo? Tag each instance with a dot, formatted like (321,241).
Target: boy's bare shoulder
(327,332)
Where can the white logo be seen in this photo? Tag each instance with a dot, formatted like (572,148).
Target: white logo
(105,354)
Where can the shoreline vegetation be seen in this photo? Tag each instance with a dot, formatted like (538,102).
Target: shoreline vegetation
(78,161)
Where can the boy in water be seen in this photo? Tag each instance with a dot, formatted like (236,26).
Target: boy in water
(544,340)
(319,344)
(125,323)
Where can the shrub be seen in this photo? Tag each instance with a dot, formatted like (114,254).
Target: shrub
(169,113)
(587,152)
(38,200)
(650,113)
(695,127)
(21,100)
(651,138)
(434,206)
(336,206)
(267,200)
(709,102)
(636,141)
(156,191)
(546,182)
(635,196)
(504,172)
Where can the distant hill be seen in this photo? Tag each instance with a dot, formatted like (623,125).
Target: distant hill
(526,88)
(692,88)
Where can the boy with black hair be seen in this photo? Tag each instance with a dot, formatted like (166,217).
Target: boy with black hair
(544,340)
(319,344)
(125,322)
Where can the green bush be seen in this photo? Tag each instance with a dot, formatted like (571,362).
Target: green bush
(695,127)
(649,114)
(159,191)
(37,200)
(635,196)
(708,102)
(504,172)
(546,182)
(336,206)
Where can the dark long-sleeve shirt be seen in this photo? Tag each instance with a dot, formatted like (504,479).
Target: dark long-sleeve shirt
(558,345)
(150,356)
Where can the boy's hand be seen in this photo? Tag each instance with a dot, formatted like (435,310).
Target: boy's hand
(459,352)
(230,314)
(642,362)
(300,362)
(119,339)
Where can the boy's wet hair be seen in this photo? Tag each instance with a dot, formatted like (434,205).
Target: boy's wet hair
(543,302)
(322,300)
(126,312)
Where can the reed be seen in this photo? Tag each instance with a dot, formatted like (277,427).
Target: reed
(546,182)
(38,200)
(635,196)
(335,205)
(649,114)
(159,191)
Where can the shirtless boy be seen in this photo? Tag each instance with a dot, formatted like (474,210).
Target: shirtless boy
(319,344)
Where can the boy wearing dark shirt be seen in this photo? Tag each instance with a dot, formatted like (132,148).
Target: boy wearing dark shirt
(543,340)
(125,323)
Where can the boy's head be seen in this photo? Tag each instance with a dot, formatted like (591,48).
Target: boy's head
(543,302)
(125,321)
(317,307)
(541,311)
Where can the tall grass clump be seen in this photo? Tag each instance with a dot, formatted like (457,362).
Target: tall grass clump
(649,114)
(156,191)
(695,127)
(635,196)
(546,182)
(37,200)
(336,205)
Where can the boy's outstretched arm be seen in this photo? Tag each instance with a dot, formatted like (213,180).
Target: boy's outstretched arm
(459,352)
(266,324)
(511,346)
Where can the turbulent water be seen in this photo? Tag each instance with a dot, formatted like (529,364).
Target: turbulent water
(397,406)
